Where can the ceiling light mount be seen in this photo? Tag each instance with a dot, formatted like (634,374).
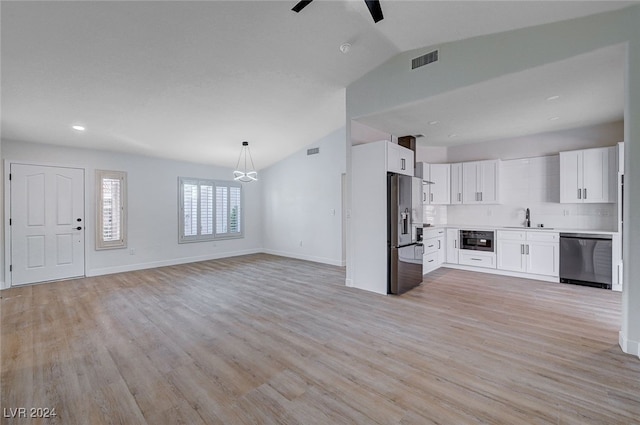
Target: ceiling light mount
(245,175)
(78,127)
(345,47)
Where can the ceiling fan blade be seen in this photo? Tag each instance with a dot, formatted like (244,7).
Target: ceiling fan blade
(374,9)
(301,5)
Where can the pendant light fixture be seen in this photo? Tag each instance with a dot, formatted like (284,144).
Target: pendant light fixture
(245,175)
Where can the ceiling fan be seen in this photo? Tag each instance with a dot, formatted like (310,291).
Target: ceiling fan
(373,5)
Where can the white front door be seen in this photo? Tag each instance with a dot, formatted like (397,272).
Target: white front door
(47,223)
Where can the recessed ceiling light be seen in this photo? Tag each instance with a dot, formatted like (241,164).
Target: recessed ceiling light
(553,97)
(433,122)
(554,118)
(78,128)
(452,135)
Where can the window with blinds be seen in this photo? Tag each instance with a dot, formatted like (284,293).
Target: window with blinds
(209,209)
(111,209)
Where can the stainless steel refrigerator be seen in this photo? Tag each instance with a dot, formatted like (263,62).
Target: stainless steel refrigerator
(404,213)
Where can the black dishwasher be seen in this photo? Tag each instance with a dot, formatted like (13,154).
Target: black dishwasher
(585,259)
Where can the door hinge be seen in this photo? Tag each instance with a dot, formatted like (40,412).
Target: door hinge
(9,176)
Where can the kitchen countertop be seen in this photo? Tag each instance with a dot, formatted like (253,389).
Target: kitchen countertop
(515,228)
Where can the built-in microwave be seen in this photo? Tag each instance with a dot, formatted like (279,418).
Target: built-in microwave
(477,240)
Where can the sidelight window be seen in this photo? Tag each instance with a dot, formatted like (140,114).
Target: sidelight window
(111,209)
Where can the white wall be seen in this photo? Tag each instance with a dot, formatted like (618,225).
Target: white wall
(152,207)
(533,180)
(534,183)
(542,144)
(302,200)
(431,154)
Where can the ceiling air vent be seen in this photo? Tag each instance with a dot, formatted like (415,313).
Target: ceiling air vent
(313,151)
(424,59)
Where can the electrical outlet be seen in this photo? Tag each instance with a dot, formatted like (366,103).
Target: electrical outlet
(132,251)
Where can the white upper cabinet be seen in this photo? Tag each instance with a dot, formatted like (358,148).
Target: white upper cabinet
(456,183)
(400,159)
(440,189)
(587,176)
(438,192)
(480,182)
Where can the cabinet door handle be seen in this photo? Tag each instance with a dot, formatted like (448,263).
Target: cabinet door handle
(579,193)
(480,196)
(527,249)
(438,244)
(424,197)
(585,193)
(522,249)
(455,243)
(459,197)
(431,197)
(402,162)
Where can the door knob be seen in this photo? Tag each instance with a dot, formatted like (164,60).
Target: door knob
(79,228)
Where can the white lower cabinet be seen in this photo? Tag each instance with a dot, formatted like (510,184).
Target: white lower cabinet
(534,252)
(477,258)
(434,250)
(453,246)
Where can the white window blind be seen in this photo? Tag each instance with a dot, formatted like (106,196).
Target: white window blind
(234,205)
(222,203)
(190,208)
(209,210)
(111,193)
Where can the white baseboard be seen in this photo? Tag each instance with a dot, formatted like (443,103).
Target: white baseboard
(502,272)
(2,285)
(348,282)
(628,346)
(313,258)
(164,263)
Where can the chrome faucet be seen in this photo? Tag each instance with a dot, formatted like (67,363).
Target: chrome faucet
(527,218)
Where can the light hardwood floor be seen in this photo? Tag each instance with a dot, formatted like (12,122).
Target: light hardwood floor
(268,340)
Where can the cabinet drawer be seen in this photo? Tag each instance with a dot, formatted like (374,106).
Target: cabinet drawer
(512,235)
(543,236)
(432,233)
(431,246)
(429,262)
(478,259)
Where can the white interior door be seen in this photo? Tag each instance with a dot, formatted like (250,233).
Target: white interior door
(47,223)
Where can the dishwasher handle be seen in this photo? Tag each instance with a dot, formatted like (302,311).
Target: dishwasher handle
(586,236)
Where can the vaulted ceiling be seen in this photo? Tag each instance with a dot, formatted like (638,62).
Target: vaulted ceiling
(192,80)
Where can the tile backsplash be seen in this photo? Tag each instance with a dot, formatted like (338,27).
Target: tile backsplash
(532,183)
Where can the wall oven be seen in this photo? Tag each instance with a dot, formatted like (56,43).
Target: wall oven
(477,240)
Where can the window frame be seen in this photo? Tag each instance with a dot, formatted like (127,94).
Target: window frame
(215,184)
(102,244)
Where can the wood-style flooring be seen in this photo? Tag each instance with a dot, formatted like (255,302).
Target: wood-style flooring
(262,339)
